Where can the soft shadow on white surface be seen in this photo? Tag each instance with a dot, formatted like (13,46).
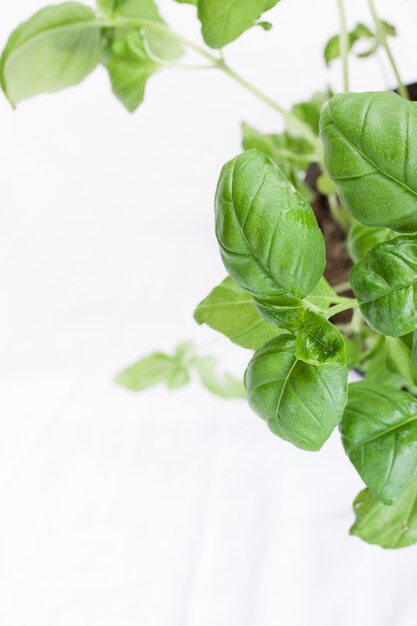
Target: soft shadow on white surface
(159,509)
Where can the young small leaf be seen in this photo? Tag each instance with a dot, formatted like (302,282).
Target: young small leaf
(390,527)
(370,142)
(362,238)
(301,403)
(319,342)
(57,47)
(385,284)
(379,434)
(230,310)
(225,20)
(222,385)
(269,239)
(151,370)
(129,68)
(399,358)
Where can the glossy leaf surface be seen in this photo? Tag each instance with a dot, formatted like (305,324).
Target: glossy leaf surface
(370,142)
(385,285)
(269,239)
(231,311)
(301,403)
(319,342)
(390,527)
(379,434)
(57,47)
(225,20)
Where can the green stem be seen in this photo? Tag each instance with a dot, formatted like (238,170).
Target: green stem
(344,43)
(342,287)
(402,90)
(350,303)
(218,62)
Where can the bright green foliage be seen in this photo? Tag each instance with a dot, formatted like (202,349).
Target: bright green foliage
(224,21)
(57,47)
(387,526)
(300,402)
(141,9)
(291,154)
(289,312)
(370,154)
(129,68)
(222,385)
(384,283)
(230,310)
(361,33)
(362,238)
(319,342)
(268,235)
(400,359)
(176,370)
(379,434)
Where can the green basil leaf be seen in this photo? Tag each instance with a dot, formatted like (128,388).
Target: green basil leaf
(390,527)
(288,312)
(224,21)
(369,146)
(319,342)
(301,403)
(291,154)
(384,283)
(147,372)
(362,238)
(159,45)
(225,385)
(326,186)
(194,2)
(379,434)
(269,239)
(230,310)
(129,68)
(399,357)
(57,47)
(178,377)
(141,9)
(332,48)
(375,367)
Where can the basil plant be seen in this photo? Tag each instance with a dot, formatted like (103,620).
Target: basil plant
(275,300)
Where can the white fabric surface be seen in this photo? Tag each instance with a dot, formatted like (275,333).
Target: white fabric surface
(160,509)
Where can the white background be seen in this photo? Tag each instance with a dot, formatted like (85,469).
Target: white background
(161,509)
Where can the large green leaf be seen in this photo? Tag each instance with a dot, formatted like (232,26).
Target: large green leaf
(269,239)
(370,147)
(379,434)
(231,311)
(387,526)
(225,20)
(129,68)
(301,403)
(57,47)
(362,238)
(385,284)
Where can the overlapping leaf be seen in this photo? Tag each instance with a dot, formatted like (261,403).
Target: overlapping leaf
(300,402)
(379,434)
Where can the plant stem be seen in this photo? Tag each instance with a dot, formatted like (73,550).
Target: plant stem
(402,90)
(342,287)
(344,43)
(302,128)
(350,303)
